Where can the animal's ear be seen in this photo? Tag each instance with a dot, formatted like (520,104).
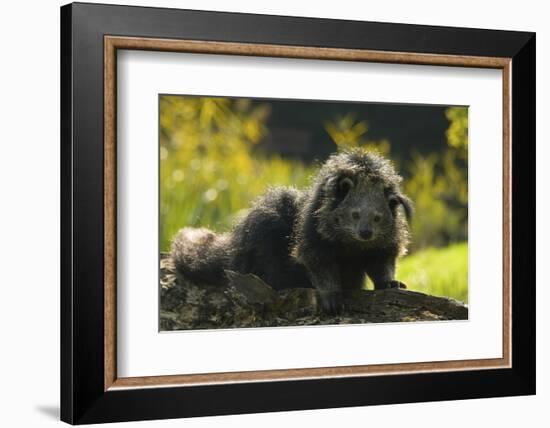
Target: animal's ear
(340,185)
(397,199)
(345,184)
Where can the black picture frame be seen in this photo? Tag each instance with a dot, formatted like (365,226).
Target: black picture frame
(83,396)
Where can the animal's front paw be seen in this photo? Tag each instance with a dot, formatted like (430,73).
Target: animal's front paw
(396,284)
(389,284)
(332,302)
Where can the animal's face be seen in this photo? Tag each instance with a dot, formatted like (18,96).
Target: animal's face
(360,209)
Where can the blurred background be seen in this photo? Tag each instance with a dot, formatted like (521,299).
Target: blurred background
(218,154)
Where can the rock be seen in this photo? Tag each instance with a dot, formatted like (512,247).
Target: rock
(250,302)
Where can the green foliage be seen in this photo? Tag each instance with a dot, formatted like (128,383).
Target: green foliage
(208,172)
(438,185)
(439,189)
(457,134)
(347,133)
(440,272)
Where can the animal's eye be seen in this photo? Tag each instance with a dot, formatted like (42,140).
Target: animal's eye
(377,218)
(355,215)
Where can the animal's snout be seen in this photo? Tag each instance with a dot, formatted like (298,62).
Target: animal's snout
(366,233)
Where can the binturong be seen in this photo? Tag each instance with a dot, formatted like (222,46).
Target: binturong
(351,222)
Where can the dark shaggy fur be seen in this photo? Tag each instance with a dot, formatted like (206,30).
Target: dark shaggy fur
(346,225)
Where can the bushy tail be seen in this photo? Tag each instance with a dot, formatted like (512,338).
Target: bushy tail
(200,256)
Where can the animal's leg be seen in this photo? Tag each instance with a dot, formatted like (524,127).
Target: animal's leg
(382,274)
(327,283)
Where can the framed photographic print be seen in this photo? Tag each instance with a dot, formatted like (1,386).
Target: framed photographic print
(265,213)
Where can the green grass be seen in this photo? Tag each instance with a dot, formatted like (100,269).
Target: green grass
(437,271)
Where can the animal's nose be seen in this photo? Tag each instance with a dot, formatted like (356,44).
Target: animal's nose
(365,233)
